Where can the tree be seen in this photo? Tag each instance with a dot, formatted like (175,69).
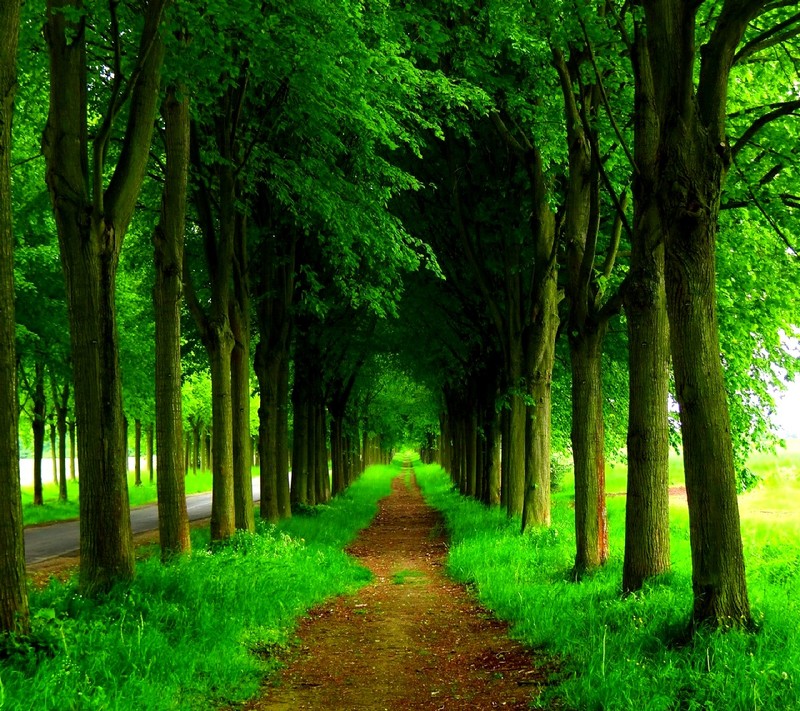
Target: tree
(695,156)
(647,545)
(173,521)
(92,214)
(13,592)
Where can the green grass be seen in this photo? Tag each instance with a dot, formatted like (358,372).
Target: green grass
(54,510)
(199,633)
(621,653)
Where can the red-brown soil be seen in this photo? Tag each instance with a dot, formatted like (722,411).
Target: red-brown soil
(412,639)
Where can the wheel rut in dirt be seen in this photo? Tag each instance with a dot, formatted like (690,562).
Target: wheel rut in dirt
(411,639)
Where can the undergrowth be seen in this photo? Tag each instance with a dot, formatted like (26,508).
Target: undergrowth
(622,653)
(194,634)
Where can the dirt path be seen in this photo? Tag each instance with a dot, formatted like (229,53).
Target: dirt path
(412,639)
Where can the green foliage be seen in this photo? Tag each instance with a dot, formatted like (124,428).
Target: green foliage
(622,653)
(200,632)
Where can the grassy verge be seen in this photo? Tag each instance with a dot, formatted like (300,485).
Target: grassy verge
(54,510)
(198,633)
(620,653)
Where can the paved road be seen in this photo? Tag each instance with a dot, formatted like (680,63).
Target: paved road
(43,542)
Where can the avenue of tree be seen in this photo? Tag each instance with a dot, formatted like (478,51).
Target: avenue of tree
(285,234)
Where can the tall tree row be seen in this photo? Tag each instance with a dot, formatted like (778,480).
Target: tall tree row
(679,145)
(470,166)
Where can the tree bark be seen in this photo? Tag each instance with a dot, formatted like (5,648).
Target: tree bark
(314,477)
(282,439)
(137,451)
(268,373)
(223,519)
(337,456)
(13,584)
(61,400)
(493,444)
(91,221)
(300,461)
(588,441)
(517,423)
(540,349)
(197,458)
(324,481)
(72,451)
(150,468)
(647,544)
(38,426)
(168,241)
(240,381)
(505,444)
(694,158)
(53,449)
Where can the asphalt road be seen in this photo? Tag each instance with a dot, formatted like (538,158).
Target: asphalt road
(43,542)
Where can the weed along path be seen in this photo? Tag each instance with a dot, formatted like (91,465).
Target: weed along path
(412,639)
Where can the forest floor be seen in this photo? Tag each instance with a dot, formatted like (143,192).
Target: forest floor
(411,639)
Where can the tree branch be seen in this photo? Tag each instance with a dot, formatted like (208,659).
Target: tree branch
(506,135)
(604,95)
(774,225)
(784,109)
(769,38)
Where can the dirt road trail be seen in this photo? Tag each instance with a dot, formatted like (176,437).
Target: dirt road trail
(412,639)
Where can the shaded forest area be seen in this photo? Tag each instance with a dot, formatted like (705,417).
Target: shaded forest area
(492,231)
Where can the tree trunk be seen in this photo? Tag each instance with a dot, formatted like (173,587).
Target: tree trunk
(168,242)
(61,427)
(267,372)
(337,455)
(197,458)
(324,481)
(282,439)
(718,576)
(300,461)
(240,381)
(13,584)
(137,451)
(591,525)
(150,467)
(223,517)
(517,417)
(314,475)
(493,464)
(693,160)
(53,449)
(91,228)
(38,426)
(505,445)
(647,545)
(540,357)
(242,457)
(72,451)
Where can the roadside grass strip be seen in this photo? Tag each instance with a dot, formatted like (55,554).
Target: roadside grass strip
(624,653)
(197,633)
(53,510)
